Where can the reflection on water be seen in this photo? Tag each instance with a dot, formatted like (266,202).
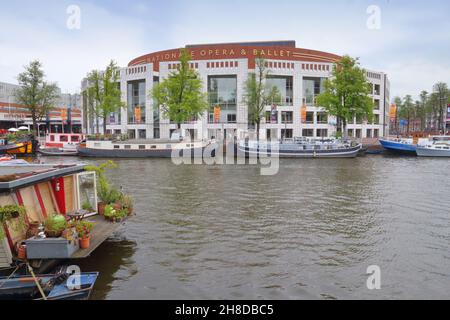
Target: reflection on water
(309,232)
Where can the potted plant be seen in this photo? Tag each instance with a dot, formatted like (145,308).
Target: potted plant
(54,225)
(114,215)
(87,206)
(127,204)
(103,186)
(84,229)
(13,214)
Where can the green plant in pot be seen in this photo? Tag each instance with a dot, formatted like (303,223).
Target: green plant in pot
(54,225)
(127,203)
(15,216)
(84,229)
(114,215)
(104,190)
(87,206)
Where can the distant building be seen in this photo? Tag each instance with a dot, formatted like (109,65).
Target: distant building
(298,74)
(66,113)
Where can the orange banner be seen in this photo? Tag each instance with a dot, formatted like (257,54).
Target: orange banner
(393,112)
(303,113)
(63,114)
(217,111)
(137,114)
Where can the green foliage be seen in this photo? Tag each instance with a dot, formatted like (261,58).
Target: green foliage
(126,201)
(84,228)
(103,92)
(37,95)
(180,95)
(86,206)
(113,214)
(55,224)
(13,214)
(258,95)
(346,93)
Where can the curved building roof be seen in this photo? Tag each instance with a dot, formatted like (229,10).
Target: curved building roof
(271,50)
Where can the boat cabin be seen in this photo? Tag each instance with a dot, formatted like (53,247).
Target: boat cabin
(63,140)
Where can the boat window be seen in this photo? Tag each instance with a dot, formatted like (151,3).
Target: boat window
(127,146)
(52,137)
(153,147)
(64,138)
(168,146)
(142,147)
(116,147)
(74,138)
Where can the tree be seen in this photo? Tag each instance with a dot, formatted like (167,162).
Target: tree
(346,93)
(180,95)
(399,104)
(258,95)
(422,109)
(442,96)
(406,111)
(103,92)
(36,94)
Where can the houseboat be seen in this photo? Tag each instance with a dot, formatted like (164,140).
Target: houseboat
(141,148)
(30,196)
(301,148)
(438,146)
(61,144)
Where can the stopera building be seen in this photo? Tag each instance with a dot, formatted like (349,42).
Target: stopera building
(298,74)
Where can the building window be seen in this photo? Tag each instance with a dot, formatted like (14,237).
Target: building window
(376,119)
(376,90)
(287,117)
(350,133)
(369,133)
(142,133)
(231,118)
(358,133)
(222,92)
(156,134)
(375,133)
(287,133)
(322,133)
(272,117)
(376,104)
(308,132)
(131,133)
(284,84)
(312,87)
(322,118)
(309,117)
(136,101)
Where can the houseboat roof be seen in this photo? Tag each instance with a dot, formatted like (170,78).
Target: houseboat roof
(18,176)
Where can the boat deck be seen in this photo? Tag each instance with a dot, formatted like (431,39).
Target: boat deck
(102,230)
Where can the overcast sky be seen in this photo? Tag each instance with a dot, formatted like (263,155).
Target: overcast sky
(412,46)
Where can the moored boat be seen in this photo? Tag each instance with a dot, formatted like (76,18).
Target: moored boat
(400,145)
(60,152)
(141,148)
(438,147)
(21,147)
(61,144)
(302,148)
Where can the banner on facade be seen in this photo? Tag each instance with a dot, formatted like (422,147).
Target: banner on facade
(303,113)
(217,111)
(448,113)
(112,118)
(63,115)
(393,112)
(137,114)
(273,114)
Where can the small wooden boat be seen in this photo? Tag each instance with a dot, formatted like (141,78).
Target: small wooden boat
(60,152)
(55,287)
(21,147)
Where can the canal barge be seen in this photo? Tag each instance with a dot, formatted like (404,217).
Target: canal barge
(301,148)
(159,148)
(61,144)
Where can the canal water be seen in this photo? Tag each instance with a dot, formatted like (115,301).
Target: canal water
(309,232)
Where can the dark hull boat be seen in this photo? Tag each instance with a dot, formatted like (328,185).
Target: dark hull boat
(58,152)
(55,287)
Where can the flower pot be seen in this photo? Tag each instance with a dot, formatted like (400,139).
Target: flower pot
(21,251)
(101,208)
(130,211)
(33,229)
(117,206)
(85,242)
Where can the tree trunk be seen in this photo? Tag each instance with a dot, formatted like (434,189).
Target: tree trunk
(104,123)
(344,125)
(257,130)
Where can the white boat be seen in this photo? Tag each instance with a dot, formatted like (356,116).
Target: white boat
(438,147)
(302,148)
